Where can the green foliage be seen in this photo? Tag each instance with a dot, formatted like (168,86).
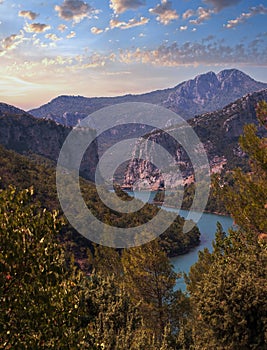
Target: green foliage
(229,298)
(39,294)
(46,303)
(149,278)
(40,173)
(228,286)
(247,200)
(214,205)
(112,318)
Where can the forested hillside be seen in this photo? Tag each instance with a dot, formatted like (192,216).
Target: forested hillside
(128,300)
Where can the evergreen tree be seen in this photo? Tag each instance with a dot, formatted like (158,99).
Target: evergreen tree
(228,286)
(39,294)
(149,278)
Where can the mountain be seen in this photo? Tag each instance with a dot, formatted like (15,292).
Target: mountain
(6,109)
(218,131)
(205,93)
(27,135)
(209,92)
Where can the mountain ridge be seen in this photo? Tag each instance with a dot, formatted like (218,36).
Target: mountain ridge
(28,135)
(205,93)
(219,133)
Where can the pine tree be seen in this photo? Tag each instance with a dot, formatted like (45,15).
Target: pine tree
(39,293)
(150,279)
(228,286)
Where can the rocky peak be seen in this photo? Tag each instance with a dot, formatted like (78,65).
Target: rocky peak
(233,74)
(219,133)
(209,92)
(205,93)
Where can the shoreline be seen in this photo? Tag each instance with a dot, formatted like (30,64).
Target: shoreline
(204,211)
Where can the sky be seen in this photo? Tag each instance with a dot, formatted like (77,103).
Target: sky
(109,48)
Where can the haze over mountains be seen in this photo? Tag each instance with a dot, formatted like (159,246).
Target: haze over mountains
(205,93)
(230,97)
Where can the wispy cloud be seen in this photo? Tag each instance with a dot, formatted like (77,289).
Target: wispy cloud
(114,23)
(203,14)
(189,13)
(62,28)
(221,4)
(71,35)
(73,10)
(120,6)
(28,14)
(254,11)
(96,31)
(36,27)
(52,37)
(164,12)
(12,41)
(194,53)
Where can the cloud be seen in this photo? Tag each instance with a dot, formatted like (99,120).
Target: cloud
(28,14)
(120,6)
(36,27)
(183,28)
(194,53)
(11,42)
(96,31)
(52,37)
(71,35)
(119,73)
(73,10)
(254,11)
(114,23)
(219,5)
(164,12)
(189,13)
(202,15)
(62,28)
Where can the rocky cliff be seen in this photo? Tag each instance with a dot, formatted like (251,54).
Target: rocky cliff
(219,133)
(205,93)
(27,135)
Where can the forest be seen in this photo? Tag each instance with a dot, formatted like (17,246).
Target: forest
(57,291)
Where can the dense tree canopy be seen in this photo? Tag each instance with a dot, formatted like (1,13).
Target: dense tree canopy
(128,301)
(228,286)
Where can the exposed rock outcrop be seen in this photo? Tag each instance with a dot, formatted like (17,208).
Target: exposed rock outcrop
(205,93)
(219,133)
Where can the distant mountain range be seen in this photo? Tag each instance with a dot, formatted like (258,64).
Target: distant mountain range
(218,129)
(205,93)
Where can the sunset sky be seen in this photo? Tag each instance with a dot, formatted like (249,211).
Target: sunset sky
(108,48)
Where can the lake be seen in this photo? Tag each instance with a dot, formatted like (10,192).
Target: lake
(207,227)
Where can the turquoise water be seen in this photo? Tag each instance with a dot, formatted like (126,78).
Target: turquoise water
(207,226)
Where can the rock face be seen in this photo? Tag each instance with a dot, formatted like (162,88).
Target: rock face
(27,135)
(205,93)
(210,92)
(219,133)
